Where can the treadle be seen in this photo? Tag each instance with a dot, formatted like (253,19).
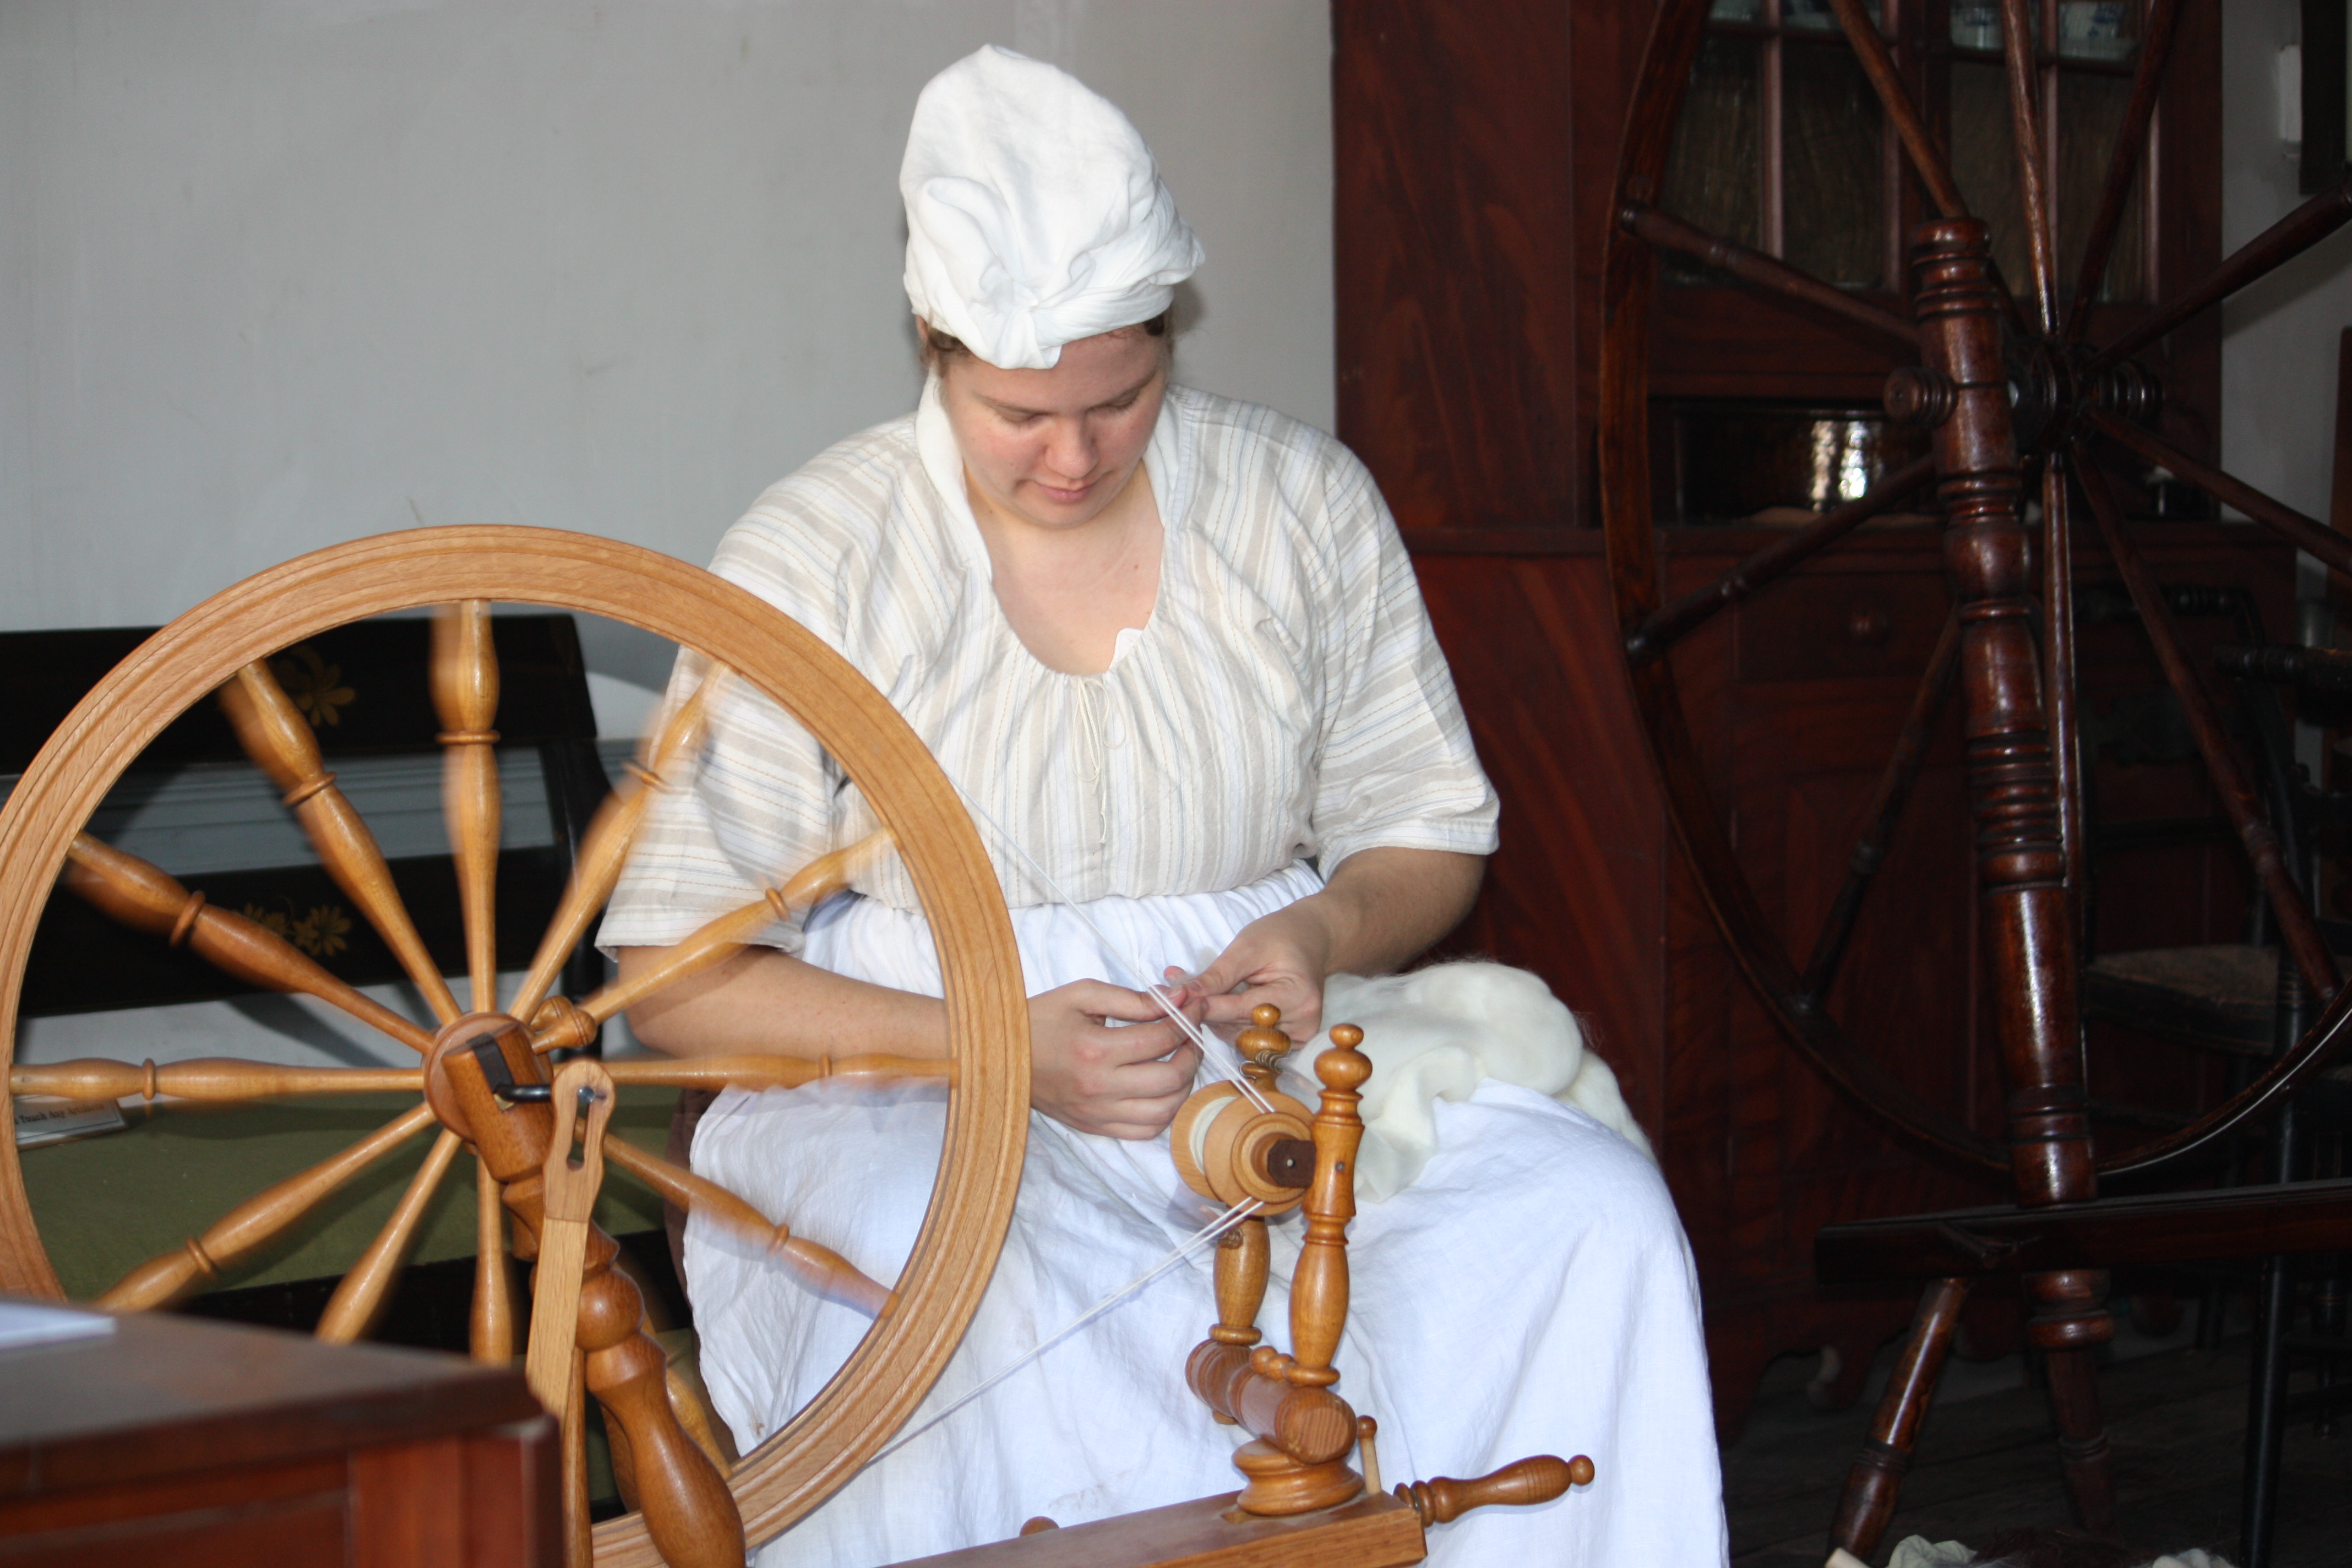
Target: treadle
(2111,1232)
(1375,1532)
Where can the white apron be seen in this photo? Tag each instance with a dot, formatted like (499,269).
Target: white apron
(1530,1292)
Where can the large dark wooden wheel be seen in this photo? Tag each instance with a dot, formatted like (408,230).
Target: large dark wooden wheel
(222,647)
(2016,401)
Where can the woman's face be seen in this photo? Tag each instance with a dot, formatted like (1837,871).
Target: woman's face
(1054,448)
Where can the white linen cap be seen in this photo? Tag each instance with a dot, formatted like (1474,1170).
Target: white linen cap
(1034,213)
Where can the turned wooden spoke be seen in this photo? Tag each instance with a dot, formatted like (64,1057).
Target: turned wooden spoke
(2276,246)
(359,1298)
(821,1268)
(2058,660)
(605,847)
(1878,64)
(1885,810)
(1670,233)
(466,695)
(160,1281)
(278,738)
(2305,532)
(1660,629)
(769,1071)
(203,1078)
(147,898)
(2297,930)
(717,941)
(490,1336)
(2017,33)
(2123,164)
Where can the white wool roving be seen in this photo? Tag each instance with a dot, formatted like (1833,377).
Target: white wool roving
(1438,1032)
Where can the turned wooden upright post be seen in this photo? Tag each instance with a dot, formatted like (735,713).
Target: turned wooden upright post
(2020,881)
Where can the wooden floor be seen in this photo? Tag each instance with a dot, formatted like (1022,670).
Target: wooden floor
(1987,1463)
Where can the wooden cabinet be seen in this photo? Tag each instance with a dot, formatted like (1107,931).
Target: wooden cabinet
(204,1445)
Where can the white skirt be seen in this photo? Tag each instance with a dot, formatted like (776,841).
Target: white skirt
(1530,1292)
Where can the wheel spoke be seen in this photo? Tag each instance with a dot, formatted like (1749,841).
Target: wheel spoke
(2297,930)
(605,847)
(2017,32)
(2276,246)
(770,1071)
(821,1268)
(570,1025)
(2059,693)
(2123,165)
(1885,810)
(466,697)
(359,1300)
(278,738)
(168,1277)
(2307,533)
(1670,233)
(1662,627)
(1878,64)
(491,1339)
(204,1079)
(146,898)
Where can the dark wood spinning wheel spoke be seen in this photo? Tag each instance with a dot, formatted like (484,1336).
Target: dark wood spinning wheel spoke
(1663,628)
(1887,80)
(2017,36)
(168,1277)
(605,847)
(359,1298)
(2124,165)
(2276,246)
(821,1268)
(1669,232)
(279,739)
(217,1079)
(1886,811)
(2298,929)
(145,898)
(466,697)
(2305,532)
(1758,948)
(568,1025)
(2058,658)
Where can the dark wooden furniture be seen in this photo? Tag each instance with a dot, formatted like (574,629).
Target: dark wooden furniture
(209,1446)
(1478,151)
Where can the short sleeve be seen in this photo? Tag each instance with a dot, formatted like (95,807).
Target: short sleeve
(1396,768)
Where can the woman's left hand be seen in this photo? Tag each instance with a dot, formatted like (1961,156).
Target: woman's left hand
(1379,910)
(1283,958)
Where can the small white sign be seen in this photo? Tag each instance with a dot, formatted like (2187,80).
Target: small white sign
(46,1119)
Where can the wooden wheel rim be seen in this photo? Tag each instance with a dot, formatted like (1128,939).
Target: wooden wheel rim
(972,1202)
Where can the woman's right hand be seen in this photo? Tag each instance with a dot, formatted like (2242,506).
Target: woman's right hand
(1123,1080)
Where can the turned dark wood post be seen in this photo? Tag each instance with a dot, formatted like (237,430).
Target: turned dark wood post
(2020,874)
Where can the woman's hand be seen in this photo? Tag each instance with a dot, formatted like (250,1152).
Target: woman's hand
(1380,909)
(1283,958)
(1124,1082)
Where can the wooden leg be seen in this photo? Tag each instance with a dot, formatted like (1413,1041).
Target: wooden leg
(1876,1480)
(2069,1324)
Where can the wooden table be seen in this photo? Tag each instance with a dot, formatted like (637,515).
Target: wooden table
(192,1443)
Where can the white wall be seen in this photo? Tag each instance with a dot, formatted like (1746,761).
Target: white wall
(279,273)
(2279,348)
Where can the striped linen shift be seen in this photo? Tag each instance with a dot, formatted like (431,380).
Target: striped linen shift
(1286,700)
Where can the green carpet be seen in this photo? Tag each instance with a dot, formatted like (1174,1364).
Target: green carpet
(107,1203)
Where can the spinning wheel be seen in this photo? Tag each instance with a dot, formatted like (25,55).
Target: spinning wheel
(221,646)
(2012,392)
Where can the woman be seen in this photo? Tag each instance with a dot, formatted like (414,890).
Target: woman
(1169,644)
